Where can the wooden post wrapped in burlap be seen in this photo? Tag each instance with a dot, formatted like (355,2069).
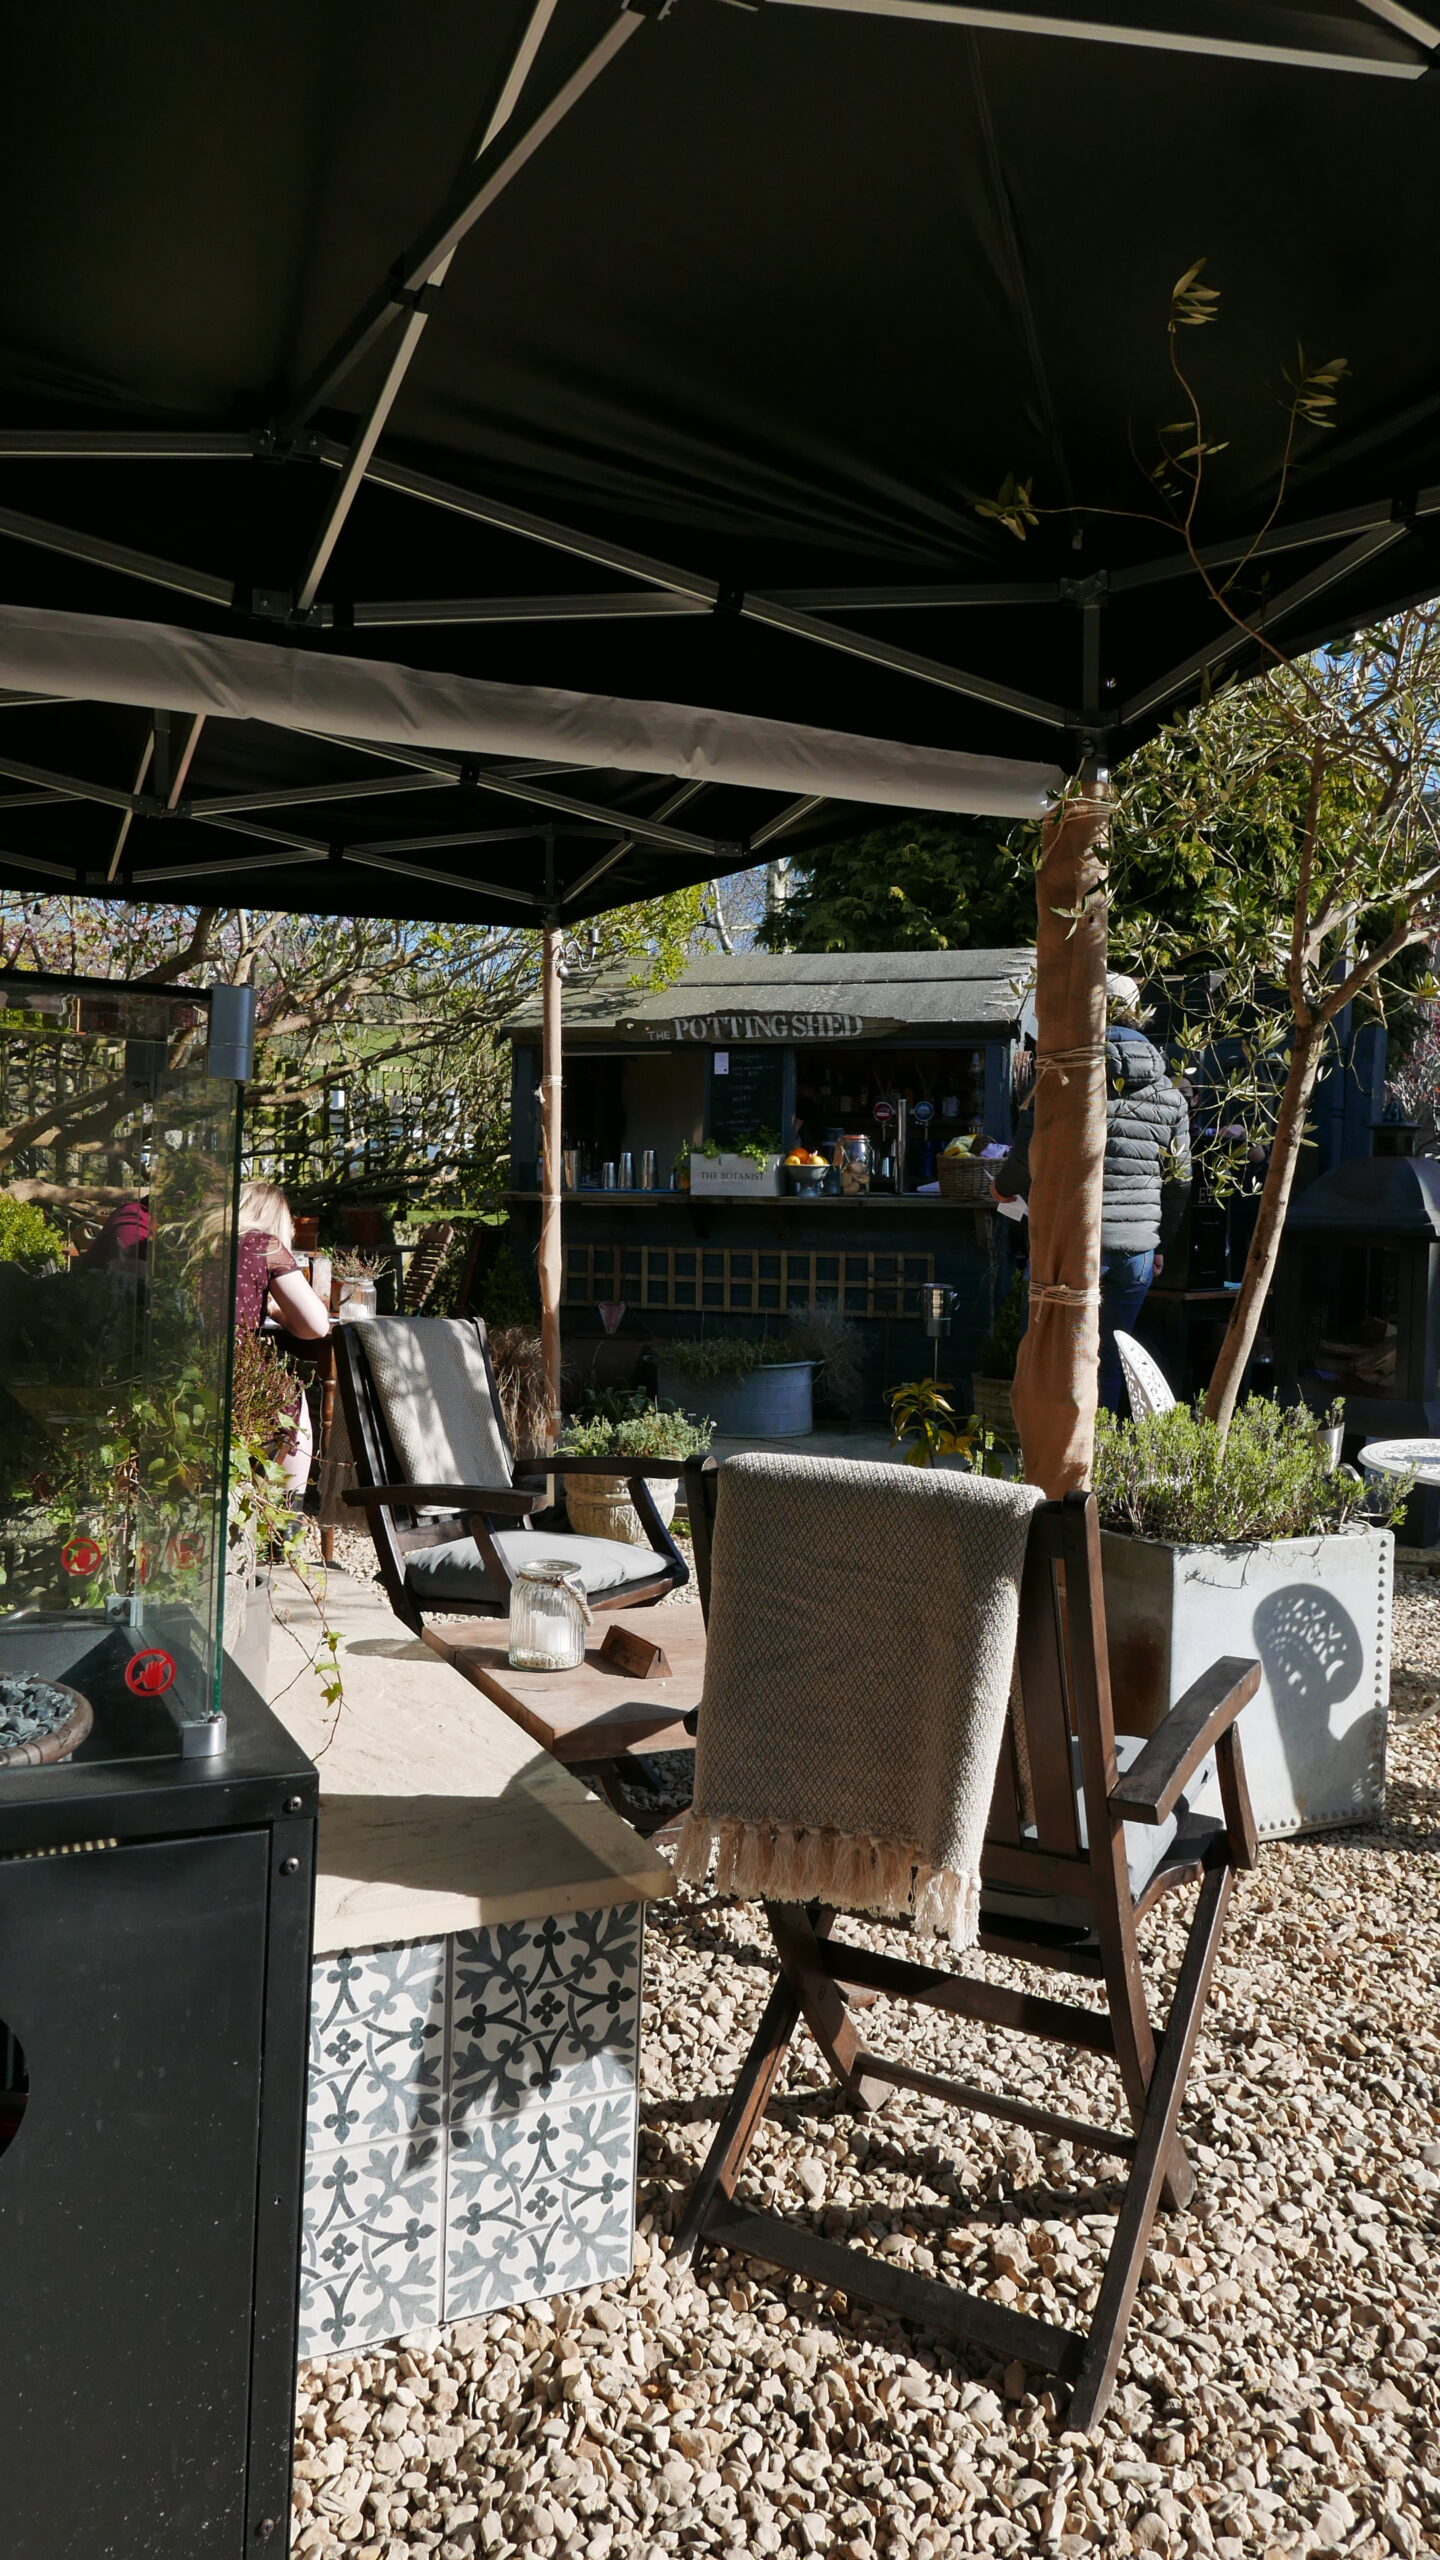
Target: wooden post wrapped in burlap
(1057,1373)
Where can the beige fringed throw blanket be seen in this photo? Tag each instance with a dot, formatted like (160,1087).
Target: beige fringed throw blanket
(862,1638)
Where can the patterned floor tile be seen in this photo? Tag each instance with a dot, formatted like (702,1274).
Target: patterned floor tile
(545,2009)
(539,2203)
(377,2043)
(372,2251)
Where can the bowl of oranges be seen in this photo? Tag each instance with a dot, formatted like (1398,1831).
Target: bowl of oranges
(805,1172)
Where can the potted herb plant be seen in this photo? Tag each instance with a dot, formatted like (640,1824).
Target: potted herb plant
(1254,1544)
(928,1432)
(750,1169)
(627,1427)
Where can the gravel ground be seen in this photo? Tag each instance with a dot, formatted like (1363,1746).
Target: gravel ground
(1280,2393)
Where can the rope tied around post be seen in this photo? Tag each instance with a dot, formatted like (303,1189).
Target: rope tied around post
(1053,1293)
(1060,1061)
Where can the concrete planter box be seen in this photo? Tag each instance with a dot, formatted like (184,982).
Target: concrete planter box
(1315,1612)
(774,1403)
(734,1178)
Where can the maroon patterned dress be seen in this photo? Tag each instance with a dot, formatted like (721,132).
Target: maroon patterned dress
(260,1259)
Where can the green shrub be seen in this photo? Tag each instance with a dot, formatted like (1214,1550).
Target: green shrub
(821,1335)
(26,1234)
(722,1355)
(1171,1476)
(653,1433)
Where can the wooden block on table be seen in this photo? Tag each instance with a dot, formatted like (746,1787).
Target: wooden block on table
(634,1655)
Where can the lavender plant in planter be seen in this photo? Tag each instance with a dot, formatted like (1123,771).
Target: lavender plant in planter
(750,1389)
(1256,1546)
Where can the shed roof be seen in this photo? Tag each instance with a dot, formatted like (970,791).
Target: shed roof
(930,991)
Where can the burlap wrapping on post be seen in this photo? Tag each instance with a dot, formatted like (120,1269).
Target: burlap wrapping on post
(1057,1373)
(857,1674)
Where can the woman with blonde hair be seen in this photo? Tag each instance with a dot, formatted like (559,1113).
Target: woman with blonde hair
(269,1281)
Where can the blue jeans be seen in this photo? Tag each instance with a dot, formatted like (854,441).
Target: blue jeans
(1124,1281)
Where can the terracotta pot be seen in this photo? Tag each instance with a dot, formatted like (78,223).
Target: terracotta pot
(363,1226)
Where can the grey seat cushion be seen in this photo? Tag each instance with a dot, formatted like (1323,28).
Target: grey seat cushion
(1196,1818)
(453,1576)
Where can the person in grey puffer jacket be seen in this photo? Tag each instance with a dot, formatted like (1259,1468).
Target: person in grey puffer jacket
(1147,1176)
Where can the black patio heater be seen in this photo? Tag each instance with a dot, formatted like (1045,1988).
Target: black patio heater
(156,1824)
(1357,1298)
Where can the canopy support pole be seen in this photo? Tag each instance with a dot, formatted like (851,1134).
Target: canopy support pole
(551,1081)
(1057,1373)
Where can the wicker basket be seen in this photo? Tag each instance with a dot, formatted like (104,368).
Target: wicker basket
(992,1403)
(964,1178)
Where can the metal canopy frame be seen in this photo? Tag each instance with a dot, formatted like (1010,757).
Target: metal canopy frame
(270,845)
(529,101)
(1399,44)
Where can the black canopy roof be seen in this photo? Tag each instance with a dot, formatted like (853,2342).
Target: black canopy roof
(684,385)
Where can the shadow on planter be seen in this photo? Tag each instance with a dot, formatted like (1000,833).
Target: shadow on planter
(1314,1662)
(1317,1613)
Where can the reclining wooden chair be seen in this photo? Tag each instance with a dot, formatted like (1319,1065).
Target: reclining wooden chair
(447,1500)
(1087,1830)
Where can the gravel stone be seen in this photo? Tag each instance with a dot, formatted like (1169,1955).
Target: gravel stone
(1279,2396)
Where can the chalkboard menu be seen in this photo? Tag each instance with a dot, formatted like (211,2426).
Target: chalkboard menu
(750,1097)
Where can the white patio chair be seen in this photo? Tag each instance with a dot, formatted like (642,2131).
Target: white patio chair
(1146,1384)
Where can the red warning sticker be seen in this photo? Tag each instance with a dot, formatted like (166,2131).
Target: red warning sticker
(148,1674)
(81,1555)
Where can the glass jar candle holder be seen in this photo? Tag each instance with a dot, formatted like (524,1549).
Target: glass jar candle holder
(549,1614)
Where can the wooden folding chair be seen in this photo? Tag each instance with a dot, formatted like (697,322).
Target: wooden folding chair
(1076,1855)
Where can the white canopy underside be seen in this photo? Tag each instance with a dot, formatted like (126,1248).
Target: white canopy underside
(156,666)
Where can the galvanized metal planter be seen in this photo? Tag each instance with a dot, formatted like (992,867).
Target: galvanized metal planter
(773,1403)
(1316,1613)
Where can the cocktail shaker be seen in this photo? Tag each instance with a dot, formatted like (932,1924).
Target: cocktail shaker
(627,1172)
(647,1170)
(607,1177)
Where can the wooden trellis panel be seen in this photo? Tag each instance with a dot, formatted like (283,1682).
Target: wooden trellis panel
(729,1280)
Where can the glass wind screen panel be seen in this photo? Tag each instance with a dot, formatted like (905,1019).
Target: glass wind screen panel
(117,1179)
